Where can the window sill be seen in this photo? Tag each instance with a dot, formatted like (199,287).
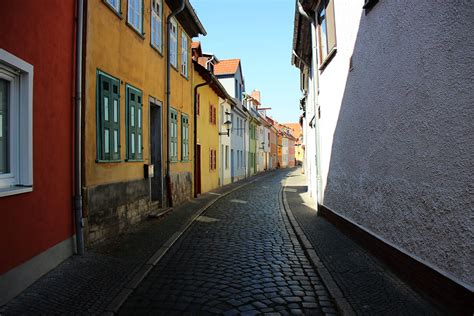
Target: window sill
(328,59)
(174,161)
(185,77)
(118,14)
(14,190)
(156,49)
(174,67)
(186,160)
(140,34)
(134,160)
(107,161)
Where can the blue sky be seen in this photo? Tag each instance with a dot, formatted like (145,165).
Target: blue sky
(259,32)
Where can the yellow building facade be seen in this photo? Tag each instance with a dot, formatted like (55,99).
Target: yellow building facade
(208,92)
(125,111)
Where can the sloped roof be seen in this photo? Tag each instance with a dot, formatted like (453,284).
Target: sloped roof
(213,82)
(188,18)
(227,67)
(296,127)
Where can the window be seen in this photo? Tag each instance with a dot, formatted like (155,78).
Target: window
(156,24)
(115,4)
(212,115)
(173,135)
(174,43)
(108,117)
(16,129)
(135,14)
(326,31)
(134,124)
(184,55)
(227,157)
(184,137)
(369,4)
(198,105)
(212,159)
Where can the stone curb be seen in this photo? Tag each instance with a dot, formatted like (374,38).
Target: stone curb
(341,303)
(139,276)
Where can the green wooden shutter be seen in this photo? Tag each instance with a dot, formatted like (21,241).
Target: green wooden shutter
(134,124)
(115,120)
(108,119)
(173,135)
(184,137)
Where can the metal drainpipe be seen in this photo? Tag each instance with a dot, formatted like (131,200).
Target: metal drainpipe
(79,222)
(168,97)
(195,126)
(302,11)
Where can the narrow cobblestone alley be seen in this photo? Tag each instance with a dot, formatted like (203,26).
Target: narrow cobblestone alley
(241,256)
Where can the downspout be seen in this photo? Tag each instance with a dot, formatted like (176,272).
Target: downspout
(195,128)
(79,222)
(302,11)
(168,97)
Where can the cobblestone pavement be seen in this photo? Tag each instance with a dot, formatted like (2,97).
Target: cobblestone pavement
(87,284)
(240,257)
(367,284)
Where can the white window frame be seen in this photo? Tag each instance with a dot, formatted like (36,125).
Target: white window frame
(20,74)
(173,38)
(115,6)
(156,26)
(133,11)
(184,54)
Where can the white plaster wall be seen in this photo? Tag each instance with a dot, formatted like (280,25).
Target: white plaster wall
(229,85)
(284,152)
(398,134)
(247,144)
(237,144)
(224,140)
(333,79)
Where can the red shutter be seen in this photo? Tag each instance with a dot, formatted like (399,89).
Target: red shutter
(198,104)
(215,115)
(210,113)
(215,164)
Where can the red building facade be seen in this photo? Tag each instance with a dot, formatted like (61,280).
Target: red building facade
(37,45)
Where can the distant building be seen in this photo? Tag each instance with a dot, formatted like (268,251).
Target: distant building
(229,72)
(297,132)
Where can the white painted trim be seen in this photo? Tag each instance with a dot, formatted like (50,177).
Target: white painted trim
(26,74)
(14,191)
(19,278)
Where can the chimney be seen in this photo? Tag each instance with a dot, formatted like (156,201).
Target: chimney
(256,95)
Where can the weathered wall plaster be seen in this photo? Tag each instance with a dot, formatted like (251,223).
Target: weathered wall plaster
(399,162)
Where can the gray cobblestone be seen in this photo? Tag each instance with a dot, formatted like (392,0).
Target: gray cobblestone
(86,285)
(369,287)
(245,252)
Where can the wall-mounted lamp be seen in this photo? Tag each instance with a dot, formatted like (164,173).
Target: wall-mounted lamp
(227,124)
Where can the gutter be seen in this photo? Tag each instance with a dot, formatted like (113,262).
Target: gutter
(195,128)
(168,97)
(79,221)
